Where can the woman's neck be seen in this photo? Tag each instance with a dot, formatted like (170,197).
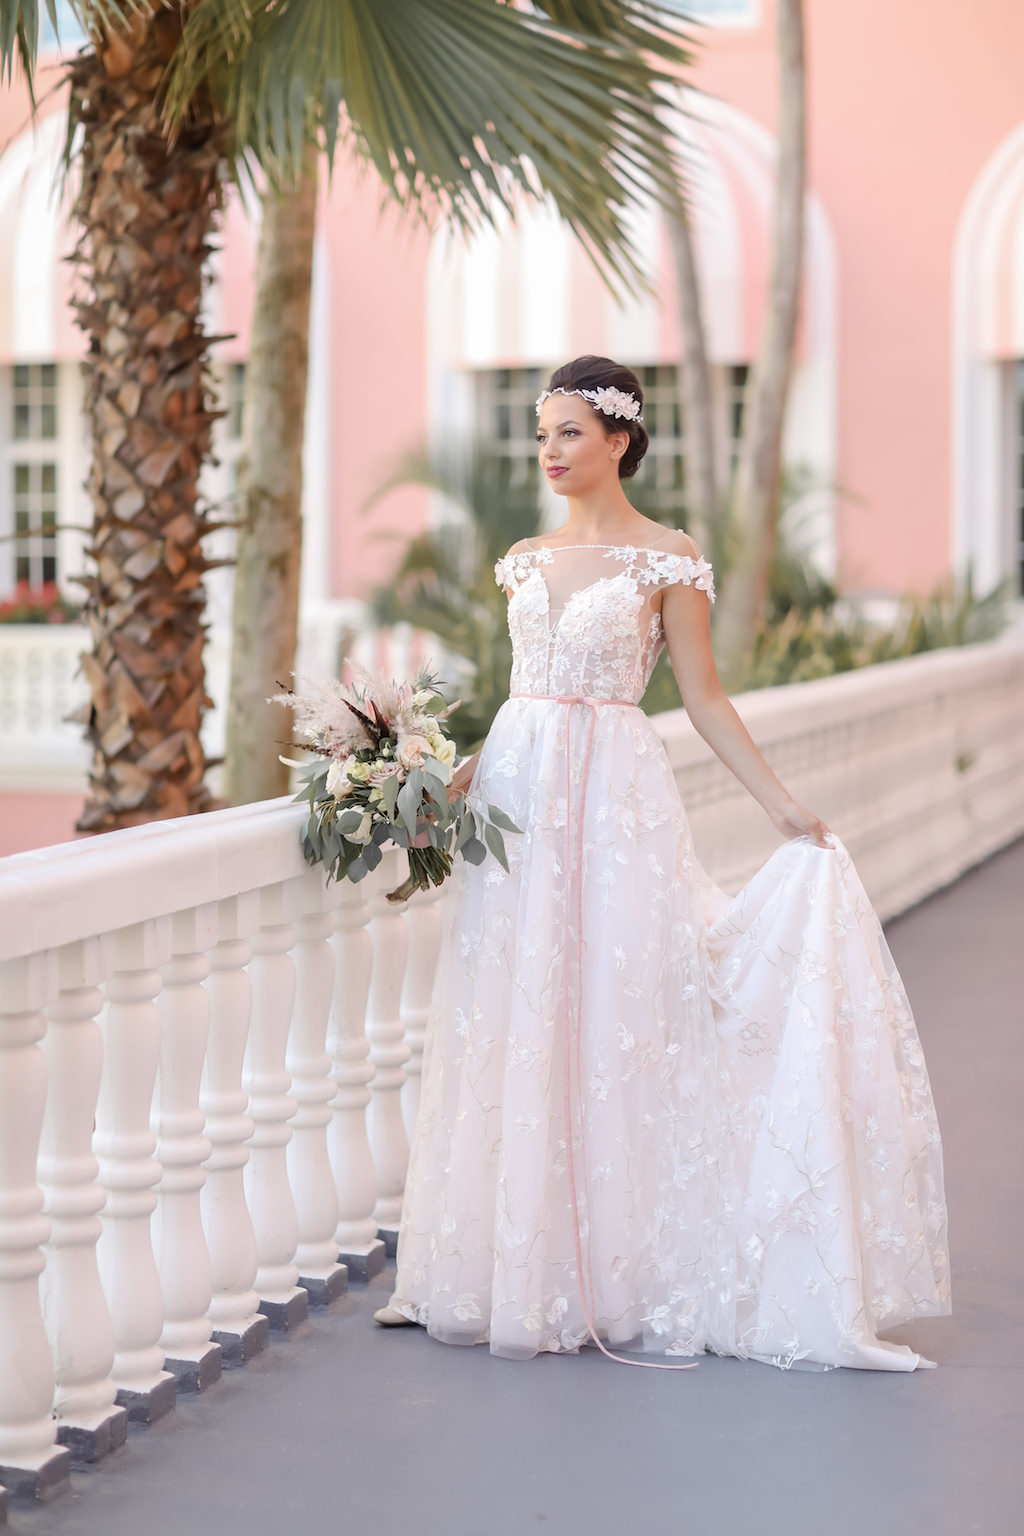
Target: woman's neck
(594,518)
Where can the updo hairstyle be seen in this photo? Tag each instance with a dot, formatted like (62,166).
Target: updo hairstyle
(601,373)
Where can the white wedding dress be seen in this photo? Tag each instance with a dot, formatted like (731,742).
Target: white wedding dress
(651,1113)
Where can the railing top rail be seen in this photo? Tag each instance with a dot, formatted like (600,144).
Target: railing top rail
(53,896)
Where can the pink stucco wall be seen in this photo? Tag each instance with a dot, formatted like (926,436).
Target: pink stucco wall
(36,821)
(906,102)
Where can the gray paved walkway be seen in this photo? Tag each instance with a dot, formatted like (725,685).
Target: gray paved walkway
(347,1428)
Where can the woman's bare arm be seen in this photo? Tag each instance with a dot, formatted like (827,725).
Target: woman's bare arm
(686,618)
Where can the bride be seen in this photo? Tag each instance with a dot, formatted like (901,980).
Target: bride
(654,1117)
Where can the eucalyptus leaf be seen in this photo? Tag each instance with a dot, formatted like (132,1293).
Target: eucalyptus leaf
(389,794)
(501,819)
(474,850)
(467,829)
(409,802)
(496,844)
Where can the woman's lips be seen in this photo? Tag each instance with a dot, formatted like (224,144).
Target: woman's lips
(556,470)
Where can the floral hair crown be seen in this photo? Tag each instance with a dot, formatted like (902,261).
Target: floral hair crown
(613,402)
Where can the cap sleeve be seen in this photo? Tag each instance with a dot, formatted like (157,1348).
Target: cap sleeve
(499,572)
(683,570)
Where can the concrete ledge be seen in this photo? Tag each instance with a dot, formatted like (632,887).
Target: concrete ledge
(90,1444)
(324,1288)
(39,1484)
(198,1374)
(289,1313)
(147,1407)
(363,1265)
(389,1237)
(237,1348)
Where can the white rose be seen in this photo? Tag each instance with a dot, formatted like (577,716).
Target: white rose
(362,832)
(444,750)
(337,778)
(411,750)
(359,771)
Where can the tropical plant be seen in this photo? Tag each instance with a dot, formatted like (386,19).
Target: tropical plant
(462,105)
(824,640)
(444,582)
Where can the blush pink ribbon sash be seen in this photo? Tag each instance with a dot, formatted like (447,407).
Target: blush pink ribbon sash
(573,1023)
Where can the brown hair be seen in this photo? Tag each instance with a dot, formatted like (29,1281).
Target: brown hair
(602,373)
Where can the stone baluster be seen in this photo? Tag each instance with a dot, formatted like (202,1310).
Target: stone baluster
(74,1307)
(355,1178)
(124,1144)
(239,1327)
(423,923)
(267,1082)
(181,1147)
(388,1050)
(309,1168)
(32,1464)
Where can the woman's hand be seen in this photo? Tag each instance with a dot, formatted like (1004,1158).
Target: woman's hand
(795,821)
(462,777)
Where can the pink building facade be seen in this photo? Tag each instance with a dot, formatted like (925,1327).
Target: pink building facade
(905,421)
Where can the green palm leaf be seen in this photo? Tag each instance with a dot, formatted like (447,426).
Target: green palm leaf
(461,105)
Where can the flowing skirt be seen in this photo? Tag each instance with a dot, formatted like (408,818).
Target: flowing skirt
(649,1111)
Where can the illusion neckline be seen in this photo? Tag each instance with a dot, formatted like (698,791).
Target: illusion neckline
(651,549)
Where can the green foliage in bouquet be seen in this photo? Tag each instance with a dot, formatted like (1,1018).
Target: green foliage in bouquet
(386,764)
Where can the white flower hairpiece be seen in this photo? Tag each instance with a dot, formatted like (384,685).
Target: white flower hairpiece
(613,402)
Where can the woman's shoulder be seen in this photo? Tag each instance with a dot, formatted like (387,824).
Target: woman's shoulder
(675,541)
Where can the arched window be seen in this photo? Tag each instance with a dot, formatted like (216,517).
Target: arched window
(988,373)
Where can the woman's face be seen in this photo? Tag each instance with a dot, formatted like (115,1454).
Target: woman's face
(575,452)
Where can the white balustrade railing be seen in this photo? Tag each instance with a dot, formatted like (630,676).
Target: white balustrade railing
(210,1059)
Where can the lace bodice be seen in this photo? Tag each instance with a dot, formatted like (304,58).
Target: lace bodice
(584,618)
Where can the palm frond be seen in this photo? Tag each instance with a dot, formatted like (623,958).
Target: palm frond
(462,106)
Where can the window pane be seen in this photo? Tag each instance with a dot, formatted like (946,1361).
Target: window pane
(21,420)
(20,479)
(49,479)
(48,420)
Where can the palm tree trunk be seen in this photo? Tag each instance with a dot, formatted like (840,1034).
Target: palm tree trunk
(147,207)
(698,415)
(269,553)
(743,604)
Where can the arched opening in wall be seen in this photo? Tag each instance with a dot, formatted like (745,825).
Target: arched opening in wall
(988,374)
(506,307)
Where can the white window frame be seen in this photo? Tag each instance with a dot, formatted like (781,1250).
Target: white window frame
(68,451)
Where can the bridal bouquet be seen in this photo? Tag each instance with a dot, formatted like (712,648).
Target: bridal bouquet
(385,763)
